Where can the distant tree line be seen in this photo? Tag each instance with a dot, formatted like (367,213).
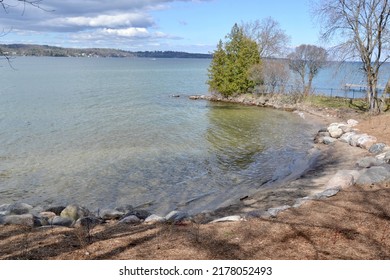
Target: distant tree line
(44,50)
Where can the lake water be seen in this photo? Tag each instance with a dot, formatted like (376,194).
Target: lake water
(107,132)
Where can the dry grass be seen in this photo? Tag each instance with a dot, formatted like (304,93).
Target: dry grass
(352,225)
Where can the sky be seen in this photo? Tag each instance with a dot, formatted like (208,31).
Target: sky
(148,25)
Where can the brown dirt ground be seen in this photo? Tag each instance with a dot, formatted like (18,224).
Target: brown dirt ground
(355,224)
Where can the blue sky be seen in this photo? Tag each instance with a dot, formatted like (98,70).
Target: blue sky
(181,25)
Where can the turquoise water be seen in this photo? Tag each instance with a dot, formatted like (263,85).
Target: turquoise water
(107,132)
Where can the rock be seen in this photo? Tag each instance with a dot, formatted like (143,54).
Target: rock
(366,141)
(57,210)
(352,123)
(374,175)
(355,138)
(346,137)
(61,221)
(227,219)
(256,214)
(24,220)
(386,158)
(108,214)
(368,162)
(132,220)
(345,128)
(140,214)
(45,217)
(125,209)
(88,222)
(176,216)
(300,201)
(329,140)
(343,179)
(275,211)
(327,193)
(377,148)
(19,208)
(319,138)
(74,212)
(335,131)
(154,219)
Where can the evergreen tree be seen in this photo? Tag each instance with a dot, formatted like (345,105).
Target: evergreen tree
(232,60)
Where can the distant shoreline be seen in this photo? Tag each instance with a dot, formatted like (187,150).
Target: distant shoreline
(52,51)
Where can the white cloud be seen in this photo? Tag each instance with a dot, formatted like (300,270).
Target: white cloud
(111,21)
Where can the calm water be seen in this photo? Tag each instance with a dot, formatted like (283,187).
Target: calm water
(106,132)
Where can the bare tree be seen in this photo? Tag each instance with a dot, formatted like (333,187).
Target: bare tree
(360,28)
(307,61)
(276,75)
(272,40)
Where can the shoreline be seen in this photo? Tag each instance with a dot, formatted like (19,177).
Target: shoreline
(306,182)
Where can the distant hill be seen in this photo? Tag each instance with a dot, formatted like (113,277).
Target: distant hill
(44,50)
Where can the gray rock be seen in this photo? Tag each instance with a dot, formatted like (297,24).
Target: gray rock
(227,219)
(366,141)
(24,220)
(327,193)
(346,138)
(154,219)
(275,211)
(345,128)
(368,162)
(4,209)
(355,138)
(329,140)
(176,216)
(125,209)
(140,214)
(74,212)
(61,221)
(108,214)
(377,148)
(386,158)
(256,214)
(19,208)
(132,220)
(88,222)
(300,201)
(374,174)
(319,138)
